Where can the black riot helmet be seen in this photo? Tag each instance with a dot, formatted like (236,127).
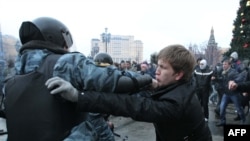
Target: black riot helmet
(46,29)
(103,59)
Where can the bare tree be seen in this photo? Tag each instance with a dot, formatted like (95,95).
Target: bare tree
(198,51)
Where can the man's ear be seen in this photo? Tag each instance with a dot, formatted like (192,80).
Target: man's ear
(179,75)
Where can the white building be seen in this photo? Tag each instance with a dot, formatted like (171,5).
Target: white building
(119,47)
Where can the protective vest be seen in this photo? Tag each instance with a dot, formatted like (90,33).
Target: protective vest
(32,113)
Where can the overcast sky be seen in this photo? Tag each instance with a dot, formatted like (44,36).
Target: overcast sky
(157,23)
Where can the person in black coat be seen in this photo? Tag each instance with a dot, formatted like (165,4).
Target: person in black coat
(173,107)
(202,75)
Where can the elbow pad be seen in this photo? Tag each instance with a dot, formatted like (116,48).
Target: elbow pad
(133,83)
(139,79)
(125,85)
(142,81)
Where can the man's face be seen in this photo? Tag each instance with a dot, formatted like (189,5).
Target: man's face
(128,65)
(144,67)
(123,65)
(165,74)
(226,65)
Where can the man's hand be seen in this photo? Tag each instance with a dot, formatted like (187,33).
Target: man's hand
(232,85)
(154,84)
(212,78)
(57,85)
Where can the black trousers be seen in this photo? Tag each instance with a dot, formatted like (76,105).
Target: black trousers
(203,96)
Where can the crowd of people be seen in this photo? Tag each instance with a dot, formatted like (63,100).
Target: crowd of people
(220,83)
(70,96)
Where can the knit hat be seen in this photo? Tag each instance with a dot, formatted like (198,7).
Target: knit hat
(234,55)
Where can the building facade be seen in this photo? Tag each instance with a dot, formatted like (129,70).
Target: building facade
(119,47)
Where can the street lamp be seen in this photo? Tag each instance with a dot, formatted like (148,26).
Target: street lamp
(106,38)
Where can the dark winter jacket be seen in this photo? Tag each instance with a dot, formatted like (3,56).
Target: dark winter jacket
(174,110)
(231,74)
(203,78)
(217,73)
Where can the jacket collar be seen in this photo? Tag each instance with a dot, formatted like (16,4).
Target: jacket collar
(167,88)
(36,44)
